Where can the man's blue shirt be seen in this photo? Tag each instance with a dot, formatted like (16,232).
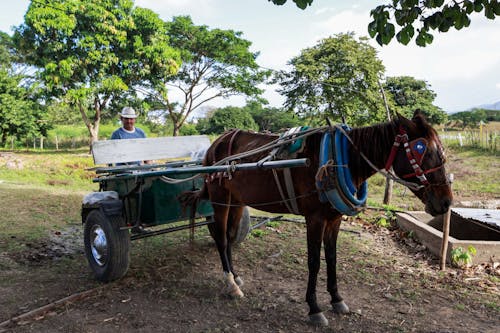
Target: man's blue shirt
(122,134)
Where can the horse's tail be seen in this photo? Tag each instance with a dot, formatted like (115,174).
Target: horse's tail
(192,198)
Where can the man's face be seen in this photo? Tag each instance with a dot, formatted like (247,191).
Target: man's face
(128,123)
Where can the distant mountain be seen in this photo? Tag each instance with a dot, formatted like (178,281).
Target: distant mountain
(494,106)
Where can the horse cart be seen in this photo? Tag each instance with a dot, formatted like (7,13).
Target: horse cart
(137,201)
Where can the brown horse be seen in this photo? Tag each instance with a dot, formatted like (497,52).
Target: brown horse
(258,188)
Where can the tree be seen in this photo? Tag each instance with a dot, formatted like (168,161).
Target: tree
(227,118)
(215,64)
(419,16)
(90,52)
(337,78)
(408,94)
(7,50)
(20,114)
(272,119)
(470,119)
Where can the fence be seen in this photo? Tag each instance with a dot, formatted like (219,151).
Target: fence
(484,139)
(42,143)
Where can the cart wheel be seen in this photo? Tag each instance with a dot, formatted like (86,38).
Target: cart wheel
(244,228)
(239,235)
(106,246)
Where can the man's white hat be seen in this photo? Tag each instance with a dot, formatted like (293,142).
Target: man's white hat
(128,112)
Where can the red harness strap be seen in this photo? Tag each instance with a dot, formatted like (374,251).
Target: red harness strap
(402,137)
(414,164)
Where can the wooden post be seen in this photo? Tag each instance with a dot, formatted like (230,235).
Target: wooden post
(444,243)
(446,234)
(389,183)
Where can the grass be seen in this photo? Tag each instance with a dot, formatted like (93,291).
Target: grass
(42,190)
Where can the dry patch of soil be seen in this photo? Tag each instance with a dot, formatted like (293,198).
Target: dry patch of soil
(390,282)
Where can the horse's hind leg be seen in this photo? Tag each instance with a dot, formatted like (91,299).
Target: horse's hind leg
(315,226)
(330,241)
(219,234)
(234,217)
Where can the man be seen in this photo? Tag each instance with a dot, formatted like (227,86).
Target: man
(128,129)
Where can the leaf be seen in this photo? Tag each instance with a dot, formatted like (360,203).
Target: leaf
(302,4)
(489,13)
(420,40)
(388,34)
(478,6)
(372,28)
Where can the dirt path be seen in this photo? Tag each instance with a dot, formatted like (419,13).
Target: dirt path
(390,283)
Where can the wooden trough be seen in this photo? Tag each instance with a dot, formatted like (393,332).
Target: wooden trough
(479,228)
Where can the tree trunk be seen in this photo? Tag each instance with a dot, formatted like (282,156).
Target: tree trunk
(93,127)
(177,129)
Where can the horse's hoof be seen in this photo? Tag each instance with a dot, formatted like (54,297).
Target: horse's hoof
(236,293)
(239,281)
(340,308)
(318,319)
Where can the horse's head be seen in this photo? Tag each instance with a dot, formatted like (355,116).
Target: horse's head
(420,159)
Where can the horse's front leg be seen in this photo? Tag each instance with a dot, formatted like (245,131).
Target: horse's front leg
(330,241)
(315,228)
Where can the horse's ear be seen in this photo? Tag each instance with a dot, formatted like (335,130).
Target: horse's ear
(420,121)
(403,121)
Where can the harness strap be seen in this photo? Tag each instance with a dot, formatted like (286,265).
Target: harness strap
(401,137)
(280,190)
(413,162)
(425,172)
(289,188)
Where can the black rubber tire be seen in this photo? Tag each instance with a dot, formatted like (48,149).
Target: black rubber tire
(244,228)
(239,235)
(112,262)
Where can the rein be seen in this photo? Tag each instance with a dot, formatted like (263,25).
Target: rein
(383,172)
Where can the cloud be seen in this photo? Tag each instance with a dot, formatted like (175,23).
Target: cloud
(497,85)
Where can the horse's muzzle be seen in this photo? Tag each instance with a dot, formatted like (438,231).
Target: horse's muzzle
(438,205)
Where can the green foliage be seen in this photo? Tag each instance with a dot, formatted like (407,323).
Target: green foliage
(21,115)
(338,78)
(227,118)
(407,94)
(473,118)
(461,257)
(89,52)
(272,119)
(258,233)
(189,129)
(302,4)
(386,219)
(215,63)
(7,50)
(421,16)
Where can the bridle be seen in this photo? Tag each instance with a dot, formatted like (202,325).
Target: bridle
(415,151)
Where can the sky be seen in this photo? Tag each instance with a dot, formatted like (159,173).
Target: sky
(461,67)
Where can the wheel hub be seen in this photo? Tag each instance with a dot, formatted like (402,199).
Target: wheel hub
(99,245)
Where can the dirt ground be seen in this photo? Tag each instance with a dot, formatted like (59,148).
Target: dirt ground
(390,282)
